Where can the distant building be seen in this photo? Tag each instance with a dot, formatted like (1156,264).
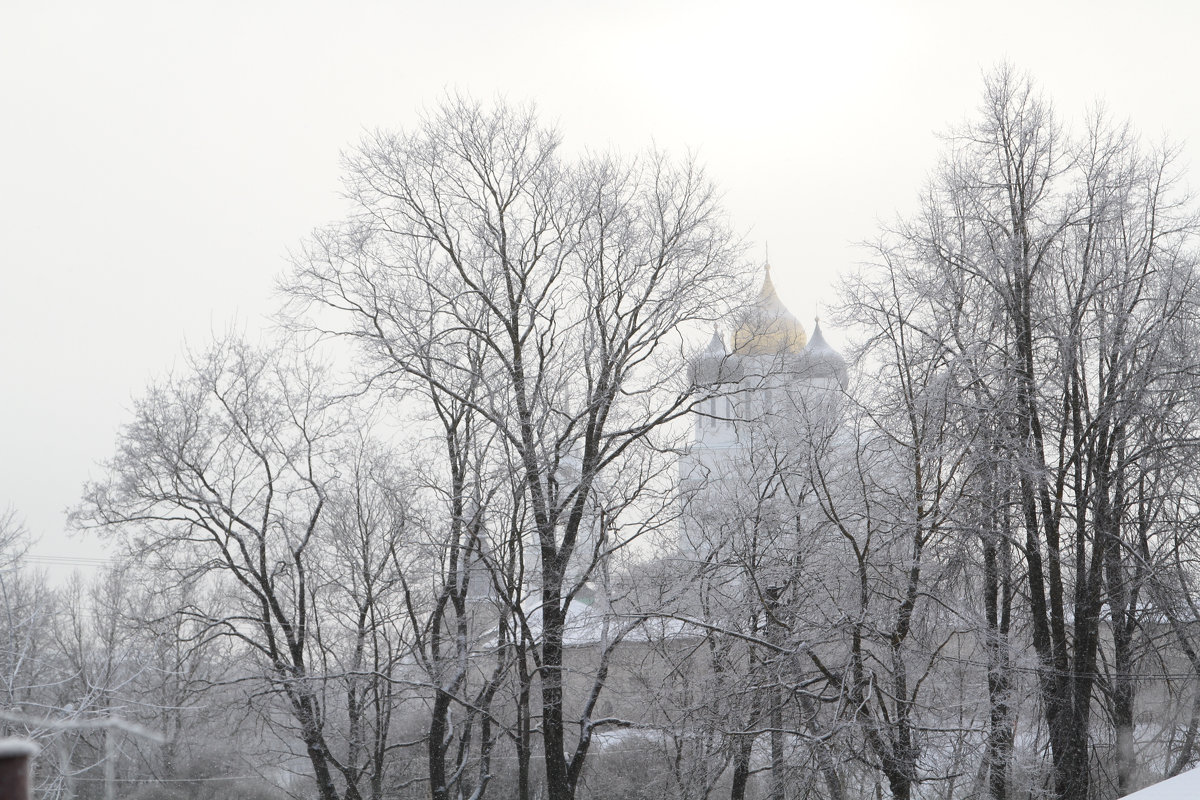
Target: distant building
(775,382)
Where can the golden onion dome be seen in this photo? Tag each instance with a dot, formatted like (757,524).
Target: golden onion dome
(768,328)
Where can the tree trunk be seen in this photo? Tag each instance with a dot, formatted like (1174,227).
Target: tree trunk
(997,567)
(437,746)
(777,765)
(554,747)
(741,766)
(524,744)
(833,781)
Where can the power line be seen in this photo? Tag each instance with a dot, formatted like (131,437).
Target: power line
(83,561)
(178,780)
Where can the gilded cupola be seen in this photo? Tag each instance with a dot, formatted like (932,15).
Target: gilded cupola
(768,328)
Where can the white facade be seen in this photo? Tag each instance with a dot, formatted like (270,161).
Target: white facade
(771,386)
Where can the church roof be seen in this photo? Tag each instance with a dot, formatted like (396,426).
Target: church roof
(822,358)
(713,365)
(768,328)
(818,346)
(716,346)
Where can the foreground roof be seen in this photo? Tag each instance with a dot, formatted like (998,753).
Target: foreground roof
(1185,786)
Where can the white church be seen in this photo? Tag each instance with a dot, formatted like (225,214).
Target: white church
(771,380)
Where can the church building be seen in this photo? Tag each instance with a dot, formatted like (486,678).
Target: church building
(771,381)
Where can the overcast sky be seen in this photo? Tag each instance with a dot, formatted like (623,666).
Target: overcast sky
(159,159)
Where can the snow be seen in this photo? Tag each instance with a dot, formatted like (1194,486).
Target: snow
(17,748)
(1185,786)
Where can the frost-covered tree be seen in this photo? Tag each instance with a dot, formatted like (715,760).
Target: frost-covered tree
(545,296)
(1054,276)
(245,470)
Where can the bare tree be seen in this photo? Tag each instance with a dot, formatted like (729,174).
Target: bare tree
(245,469)
(1059,272)
(557,288)
(25,608)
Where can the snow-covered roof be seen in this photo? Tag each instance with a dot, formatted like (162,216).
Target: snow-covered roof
(1185,786)
(818,346)
(17,748)
(822,358)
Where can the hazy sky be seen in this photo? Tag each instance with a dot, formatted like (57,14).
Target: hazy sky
(159,159)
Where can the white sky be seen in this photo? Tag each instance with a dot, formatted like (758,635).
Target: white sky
(158,159)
